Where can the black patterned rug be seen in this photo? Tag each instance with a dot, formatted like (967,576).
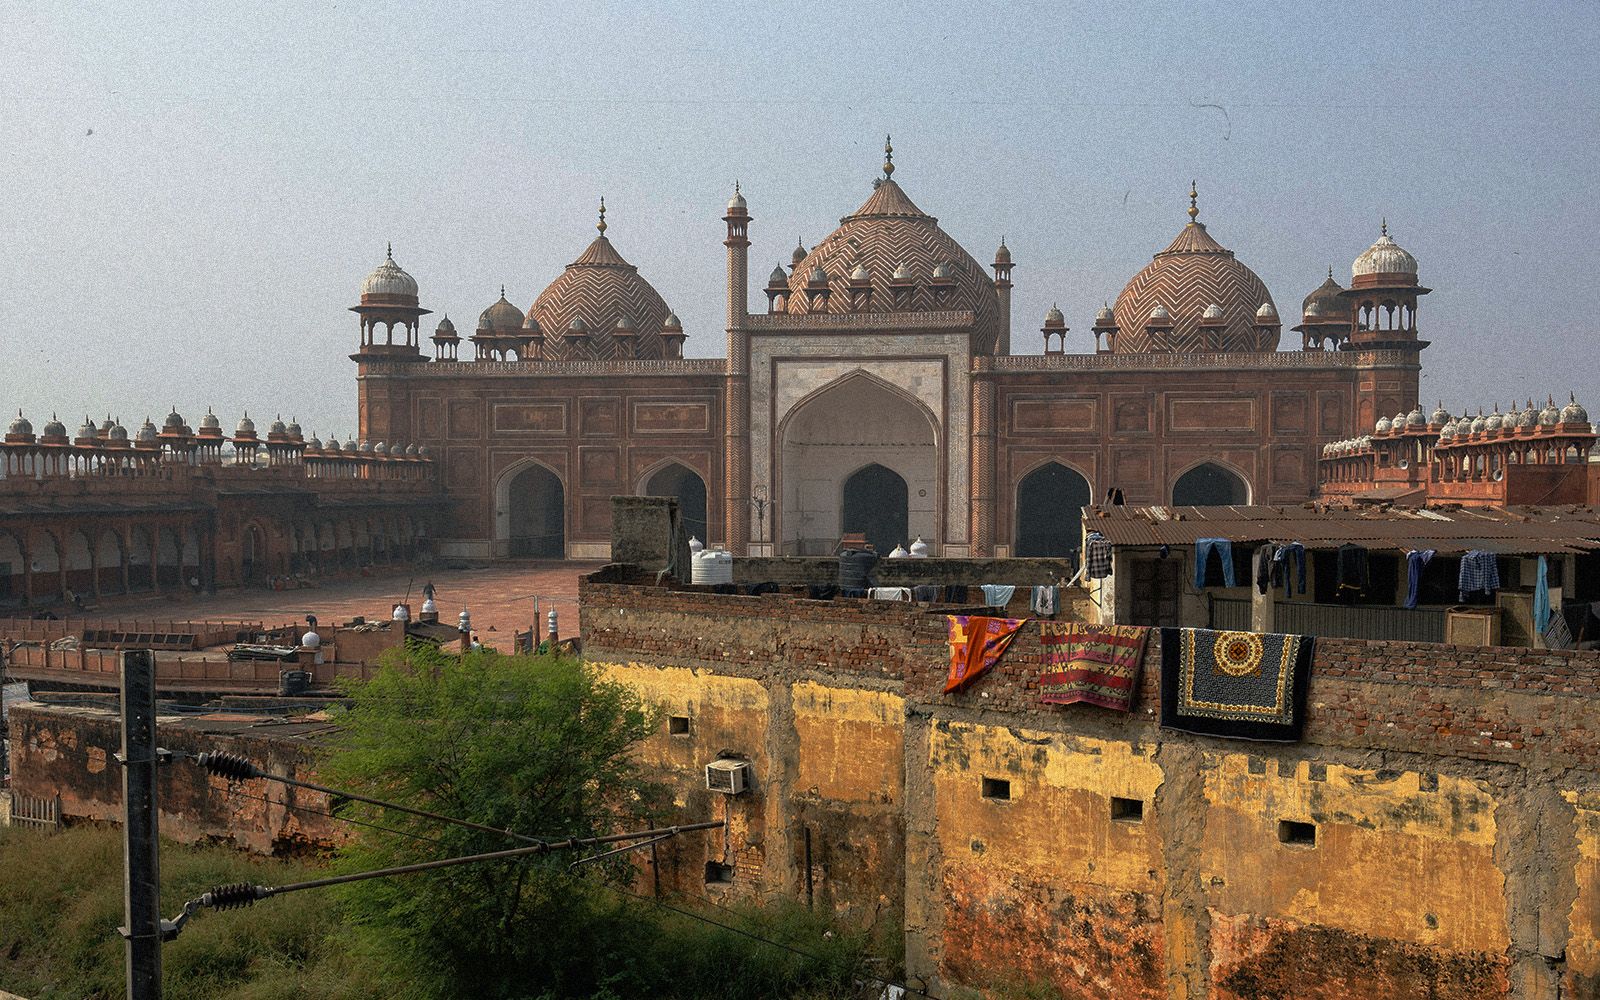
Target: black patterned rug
(1240,685)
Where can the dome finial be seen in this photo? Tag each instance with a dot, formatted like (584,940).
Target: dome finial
(601,225)
(1194,208)
(502,290)
(388,250)
(1383,228)
(1330,272)
(888,157)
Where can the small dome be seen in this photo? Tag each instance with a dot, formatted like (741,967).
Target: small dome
(626,323)
(1160,312)
(106,425)
(55,428)
(1384,257)
(1212,312)
(943,270)
(737,201)
(1492,422)
(1054,317)
(899,553)
(209,421)
(1399,420)
(1573,412)
(1105,317)
(277,427)
(501,315)
(1002,255)
(799,254)
(1415,418)
(1324,301)
(778,277)
(1383,425)
(529,322)
(1314,310)
(147,432)
(366,448)
(89,430)
(333,443)
(1447,432)
(577,328)
(1549,416)
(902,273)
(445,327)
(672,322)
(1439,416)
(817,276)
(860,273)
(389,279)
(411,450)
(1529,418)
(1479,424)
(246,425)
(350,447)
(423,451)
(174,421)
(21,425)
(696,546)
(311,640)
(293,430)
(1267,313)
(315,444)
(919,549)
(118,433)
(380,449)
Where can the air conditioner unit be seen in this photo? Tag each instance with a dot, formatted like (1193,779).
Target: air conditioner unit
(728,776)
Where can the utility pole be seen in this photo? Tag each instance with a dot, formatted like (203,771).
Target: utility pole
(142,894)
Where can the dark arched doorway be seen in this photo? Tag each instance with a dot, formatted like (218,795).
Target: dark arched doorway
(684,483)
(255,554)
(1209,485)
(876,503)
(536,503)
(1050,502)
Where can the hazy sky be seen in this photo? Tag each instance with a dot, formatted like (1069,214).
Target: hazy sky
(191,195)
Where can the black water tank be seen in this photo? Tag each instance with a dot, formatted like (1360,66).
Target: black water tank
(855,568)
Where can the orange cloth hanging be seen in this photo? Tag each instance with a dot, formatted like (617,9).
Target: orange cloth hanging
(976,644)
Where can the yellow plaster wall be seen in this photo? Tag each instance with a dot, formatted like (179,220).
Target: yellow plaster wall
(851,744)
(1057,824)
(1583,948)
(1390,859)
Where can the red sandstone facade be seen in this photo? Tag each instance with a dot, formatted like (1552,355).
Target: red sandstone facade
(878,393)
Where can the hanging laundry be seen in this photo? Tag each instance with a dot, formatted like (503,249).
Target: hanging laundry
(1541,597)
(925,593)
(1350,563)
(1203,547)
(955,593)
(976,644)
(1557,635)
(1263,565)
(1240,685)
(1295,553)
(1416,561)
(889,593)
(1044,601)
(1096,556)
(1480,573)
(822,591)
(997,595)
(1099,664)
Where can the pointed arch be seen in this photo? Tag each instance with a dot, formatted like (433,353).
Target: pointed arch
(1050,498)
(672,478)
(874,500)
(834,432)
(1210,483)
(531,511)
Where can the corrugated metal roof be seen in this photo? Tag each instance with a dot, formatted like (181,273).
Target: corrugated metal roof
(1504,530)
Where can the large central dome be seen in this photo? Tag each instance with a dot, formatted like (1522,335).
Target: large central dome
(1188,279)
(910,264)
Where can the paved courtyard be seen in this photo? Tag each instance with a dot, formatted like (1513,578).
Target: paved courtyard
(500,598)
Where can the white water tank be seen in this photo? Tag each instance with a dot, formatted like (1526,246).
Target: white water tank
(711,566)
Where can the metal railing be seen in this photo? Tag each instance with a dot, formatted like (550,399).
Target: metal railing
(1355,622)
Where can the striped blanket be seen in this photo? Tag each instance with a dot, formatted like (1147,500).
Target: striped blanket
(1099,664)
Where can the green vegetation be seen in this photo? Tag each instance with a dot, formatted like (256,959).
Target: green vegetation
(539,744)
(62,903)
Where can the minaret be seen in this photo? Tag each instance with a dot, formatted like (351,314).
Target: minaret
(1002,287)
(736,404)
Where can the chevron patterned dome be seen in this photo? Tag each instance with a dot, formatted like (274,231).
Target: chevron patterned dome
(1186,277)
(890,235)
(601,289)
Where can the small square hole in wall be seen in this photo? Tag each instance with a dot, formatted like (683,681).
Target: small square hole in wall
(678,725)
(1299,834)
(996,788)
(1127,810)
(718,873)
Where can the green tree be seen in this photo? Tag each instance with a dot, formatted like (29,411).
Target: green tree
(540,745)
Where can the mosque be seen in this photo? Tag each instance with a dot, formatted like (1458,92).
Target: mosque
(878,393)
